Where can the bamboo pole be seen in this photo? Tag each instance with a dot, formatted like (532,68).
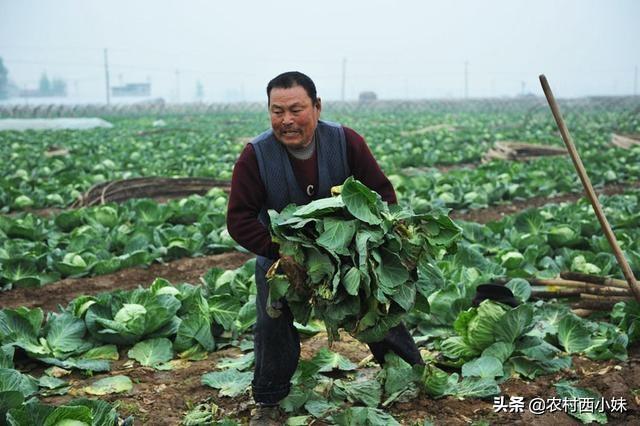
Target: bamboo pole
(616,299)
(584,287)
(542,294)
(582,173)
(595,279)
(592,305)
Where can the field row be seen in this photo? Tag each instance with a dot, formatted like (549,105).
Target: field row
(98,240)
(52,168)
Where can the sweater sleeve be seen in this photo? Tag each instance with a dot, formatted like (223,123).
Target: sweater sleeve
(365,168)
(246,199)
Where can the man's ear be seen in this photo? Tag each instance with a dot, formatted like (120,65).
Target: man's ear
(319,104)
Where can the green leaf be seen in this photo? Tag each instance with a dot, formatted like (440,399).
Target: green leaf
(567,391)
(337,235)
(241,363)
(531,368)
(368,392)
(475,387)
(514,323)
(351,281)
(398,376)
(319,266)
(102,413)
(455,347)
(361,202)
(380,329)
(298,421)
(500,350)
(9,400)
(329,361)
(109,385)
(547,318)
(574,334)
(51,382)
(320,207)
(194,333)
(65,335)
(482,328)
(364,416)
(69,416)
(433,380)
(6,356)
(230,382)
(520,288)
(390,271)
(106,352)
(152,352)
(486,367)
(224,310)
(13,380)
(79,363)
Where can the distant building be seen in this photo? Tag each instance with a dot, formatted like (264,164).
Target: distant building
(46,88)
(132,89)
(367,96)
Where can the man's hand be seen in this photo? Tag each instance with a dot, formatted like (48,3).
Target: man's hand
(295,273)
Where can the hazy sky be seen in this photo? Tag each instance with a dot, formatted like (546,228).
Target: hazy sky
(399,49)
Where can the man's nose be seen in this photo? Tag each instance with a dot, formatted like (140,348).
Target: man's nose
(287,118)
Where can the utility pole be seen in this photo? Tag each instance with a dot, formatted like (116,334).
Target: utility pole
(177,85)
(106,73)
(635,82)
(344,76)
(466,79)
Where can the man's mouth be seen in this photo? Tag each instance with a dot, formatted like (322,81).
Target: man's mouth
(290,132)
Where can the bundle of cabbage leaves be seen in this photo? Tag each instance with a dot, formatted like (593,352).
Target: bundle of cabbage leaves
(367,263)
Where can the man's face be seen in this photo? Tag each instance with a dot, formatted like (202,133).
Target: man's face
(294,117)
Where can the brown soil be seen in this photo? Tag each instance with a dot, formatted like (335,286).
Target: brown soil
(446,167)
(611,379)
(62,292)
(163,397)
(497,212)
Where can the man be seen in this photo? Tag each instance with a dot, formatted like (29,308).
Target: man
(297,161)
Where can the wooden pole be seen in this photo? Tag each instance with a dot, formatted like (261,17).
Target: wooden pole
(582,173)
(595,279)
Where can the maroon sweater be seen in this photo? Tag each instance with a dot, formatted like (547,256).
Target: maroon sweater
(248,194)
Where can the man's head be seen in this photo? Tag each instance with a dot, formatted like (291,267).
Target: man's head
(294,108)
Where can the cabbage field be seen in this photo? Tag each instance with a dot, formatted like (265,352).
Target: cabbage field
(141,311)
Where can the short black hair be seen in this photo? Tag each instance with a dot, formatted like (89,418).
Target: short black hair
(288,79)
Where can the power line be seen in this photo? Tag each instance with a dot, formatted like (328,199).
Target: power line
(106,73)
(466,79)
(344,76)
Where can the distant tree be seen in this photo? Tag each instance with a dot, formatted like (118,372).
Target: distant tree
(58,87)
(199,90)
(45,85)
(4,81)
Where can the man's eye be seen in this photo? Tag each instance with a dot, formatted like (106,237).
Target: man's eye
(296,111)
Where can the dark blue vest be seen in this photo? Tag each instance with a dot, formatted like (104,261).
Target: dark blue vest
(277,174)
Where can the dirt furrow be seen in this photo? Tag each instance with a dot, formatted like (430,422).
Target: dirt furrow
(62,292)
(497,212)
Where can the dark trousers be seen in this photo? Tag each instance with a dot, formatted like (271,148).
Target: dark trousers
(277,347)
